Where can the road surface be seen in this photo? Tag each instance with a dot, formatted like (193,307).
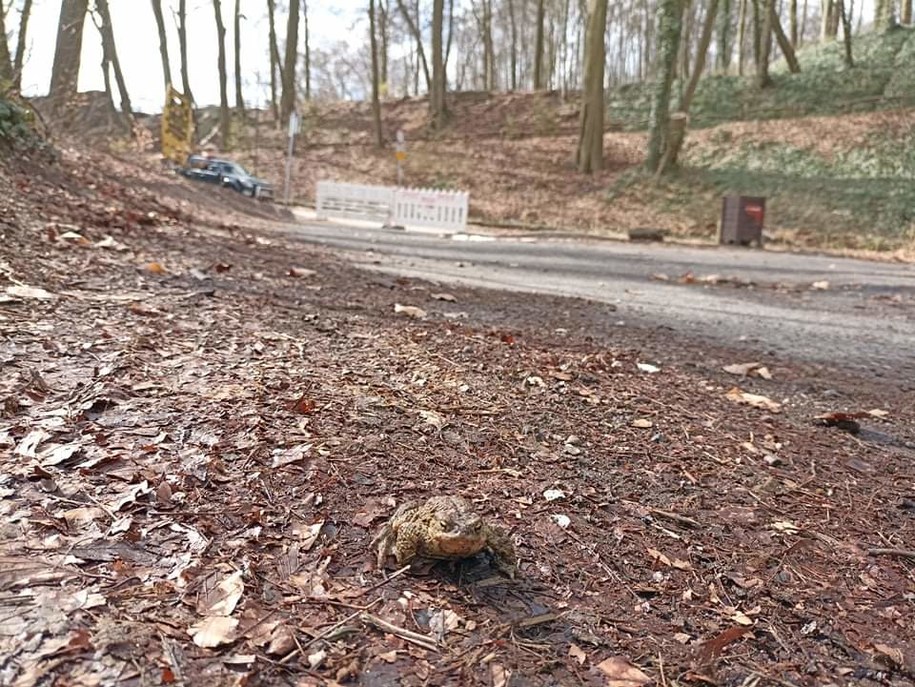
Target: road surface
(851,313)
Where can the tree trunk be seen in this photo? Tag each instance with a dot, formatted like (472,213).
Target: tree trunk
(883,14)
(589,156)
(239,95)
(287,102)
(163,42)
(783,43)
(792,22)
(757,30)
(741,36)
(513,25)
(106,73)
(701,55)
(274,60)
(20,44)
(6,60)
(685,37)
(225,122)
(669,17)
(538,46)
(827,14)
(763,80)
(417,37)
(906,12)
(110,50)
(383,31)
(489,58)
(725,48)
(182,46)
(846,31)
(65,69)
(437,92)
(376,101)
(307,51)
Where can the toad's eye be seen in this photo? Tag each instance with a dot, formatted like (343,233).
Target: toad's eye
(444,524)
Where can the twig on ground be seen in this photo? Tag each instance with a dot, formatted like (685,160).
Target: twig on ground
(899,553)
(387,579)
(419,640)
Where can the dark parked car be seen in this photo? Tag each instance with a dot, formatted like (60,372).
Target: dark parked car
(228,174)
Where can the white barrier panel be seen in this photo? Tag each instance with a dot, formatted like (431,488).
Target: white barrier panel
(400,206)
(430,208)
(354,201)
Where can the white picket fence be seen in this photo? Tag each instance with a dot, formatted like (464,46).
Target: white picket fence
(399,206)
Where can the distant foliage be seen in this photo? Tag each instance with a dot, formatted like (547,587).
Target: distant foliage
(17,127)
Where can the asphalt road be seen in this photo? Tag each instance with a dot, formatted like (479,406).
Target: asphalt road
(863,319)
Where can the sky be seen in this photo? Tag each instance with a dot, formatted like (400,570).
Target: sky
(137,43)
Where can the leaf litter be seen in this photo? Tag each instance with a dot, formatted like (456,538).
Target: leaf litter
(199,478)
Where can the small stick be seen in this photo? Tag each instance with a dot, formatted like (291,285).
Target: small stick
(386,580)
(413,637)
(682,519)
(901,553)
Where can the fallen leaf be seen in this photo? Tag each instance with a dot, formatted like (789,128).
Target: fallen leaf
(282,457)
(754,400)
(847,422)
(300,272)
(642,423)
(228,594)
(554,494)
(282,641)
(303,405)
(389,657)
(443,297)
(710,650)
(562,520)
(156,268)
(213,632)
(499,675)
(576,652)
(110,244)
(621,673)
(409,311)
(316,659)
(877,412)
(785,526)
(444,621)
(83,515)
(890,655)
(748,370)
(30,292)
(310,535)
(820,285)
(648,368)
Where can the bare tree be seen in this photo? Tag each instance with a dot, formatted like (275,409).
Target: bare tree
(725,47)
(783,43)
(538,47)
(905,14)
(225,122)
(65,69)
(417,37)
(6,60)
(182,45)
(376,102)
(669,18)
(163,42)
(307,51)
(20,44)
(110,53)
(287,102)
(239,96)
(764,43)
(590,154)
(846,32)
(437,92)
(275,64)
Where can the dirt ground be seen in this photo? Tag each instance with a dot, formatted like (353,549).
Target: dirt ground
(202,427)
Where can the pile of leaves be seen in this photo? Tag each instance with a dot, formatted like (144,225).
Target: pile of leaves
(202,426)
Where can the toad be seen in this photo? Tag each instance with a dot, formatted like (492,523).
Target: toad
(445,528)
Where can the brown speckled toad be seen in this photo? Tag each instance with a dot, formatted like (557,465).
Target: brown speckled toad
(442,527)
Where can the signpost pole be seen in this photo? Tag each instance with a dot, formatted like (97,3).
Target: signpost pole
(400,154)
(293,129)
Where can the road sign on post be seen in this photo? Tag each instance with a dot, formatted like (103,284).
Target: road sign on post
(400,154)
(293,130)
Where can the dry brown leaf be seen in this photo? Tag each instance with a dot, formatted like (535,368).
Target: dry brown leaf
(499,675)
(409,311)
(620,672)
(309,535)
(213,632)
(444,297)
(29,292)
(282,641)
(642,423)
(711,649)
(156,268)
(578,654)
(222,599)
(754,400)
(389,657)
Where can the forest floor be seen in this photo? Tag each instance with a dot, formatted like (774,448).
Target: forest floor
(203,425)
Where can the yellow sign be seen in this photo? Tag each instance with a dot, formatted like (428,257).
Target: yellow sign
(400,155)
(177,126)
